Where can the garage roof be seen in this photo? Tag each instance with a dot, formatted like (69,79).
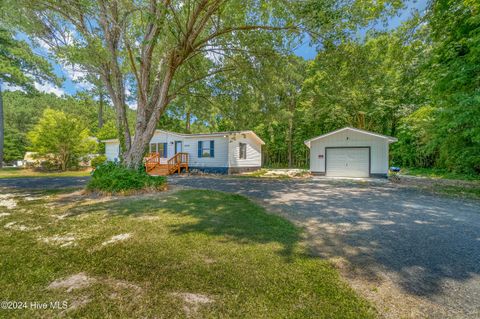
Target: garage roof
(389,138)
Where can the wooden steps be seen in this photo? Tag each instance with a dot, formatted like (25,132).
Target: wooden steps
(155,167)
(159,170)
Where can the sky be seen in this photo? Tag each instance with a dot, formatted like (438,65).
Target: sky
(72,76)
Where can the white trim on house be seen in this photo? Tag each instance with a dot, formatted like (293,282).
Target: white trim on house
(389,138)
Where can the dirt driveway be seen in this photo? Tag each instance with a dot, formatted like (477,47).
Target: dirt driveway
(413,254)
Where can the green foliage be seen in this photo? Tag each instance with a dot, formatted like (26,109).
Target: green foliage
(97,161)
(22,112)
(455,75)
(446,134)
(112,177)
(438,173)
(62,135)
(415,147)
(19,65)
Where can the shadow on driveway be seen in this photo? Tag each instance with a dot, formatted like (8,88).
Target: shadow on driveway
(45,183)
(427,245)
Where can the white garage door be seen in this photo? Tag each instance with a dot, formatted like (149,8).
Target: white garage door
(348,162)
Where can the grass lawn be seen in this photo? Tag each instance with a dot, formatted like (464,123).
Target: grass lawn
(438,173)
(183,254)
(443,182)
(24,172)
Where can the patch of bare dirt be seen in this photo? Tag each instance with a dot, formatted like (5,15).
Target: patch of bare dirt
(78,303)
(59,240)
(117,238)
(192,302)
(8,201)
(119,289)
(77,281)
(20,227)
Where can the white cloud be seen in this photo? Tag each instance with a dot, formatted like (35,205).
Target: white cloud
(49,88)
(76,74)
(132,104)
(9,87)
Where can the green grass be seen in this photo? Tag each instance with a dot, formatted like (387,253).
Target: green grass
(250,264)
(21,172)
(472,192)
(438,173)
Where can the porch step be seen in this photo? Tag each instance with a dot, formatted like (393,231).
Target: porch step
(159,170)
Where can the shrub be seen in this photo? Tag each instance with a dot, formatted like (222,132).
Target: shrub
(114,178)
(97,161)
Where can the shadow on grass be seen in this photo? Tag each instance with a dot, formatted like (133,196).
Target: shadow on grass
(230,217)
(421,239)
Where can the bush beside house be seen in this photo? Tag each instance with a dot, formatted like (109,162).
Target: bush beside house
(113,178)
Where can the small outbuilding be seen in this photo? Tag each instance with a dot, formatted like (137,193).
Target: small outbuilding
(350,152)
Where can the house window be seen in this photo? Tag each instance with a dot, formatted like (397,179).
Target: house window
(206,149)
(153,148)
(160,148)
(242,150)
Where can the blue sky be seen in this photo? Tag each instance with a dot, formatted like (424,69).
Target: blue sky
(308,52)
(72,76)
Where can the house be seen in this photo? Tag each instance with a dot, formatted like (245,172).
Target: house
(350,152)
(222,152)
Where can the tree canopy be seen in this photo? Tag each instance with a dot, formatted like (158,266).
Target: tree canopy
(62,136)
(214,65)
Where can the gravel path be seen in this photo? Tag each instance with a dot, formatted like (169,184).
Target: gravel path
(413,254)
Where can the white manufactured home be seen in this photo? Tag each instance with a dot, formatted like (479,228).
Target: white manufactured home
(223,152)
(350,152)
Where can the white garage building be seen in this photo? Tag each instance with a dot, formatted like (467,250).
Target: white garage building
(350,152)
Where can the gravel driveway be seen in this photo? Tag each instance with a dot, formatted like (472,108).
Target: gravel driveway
(43,182)
(413,254)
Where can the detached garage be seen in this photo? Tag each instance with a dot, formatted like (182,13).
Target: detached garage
(350,152)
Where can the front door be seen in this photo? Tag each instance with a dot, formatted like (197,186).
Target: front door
(178,147)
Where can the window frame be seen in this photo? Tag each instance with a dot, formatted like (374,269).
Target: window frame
(244,145)
(206,149)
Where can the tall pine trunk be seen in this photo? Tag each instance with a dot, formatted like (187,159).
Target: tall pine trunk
(187,123)
(100,111)
(2,126)
(290,133)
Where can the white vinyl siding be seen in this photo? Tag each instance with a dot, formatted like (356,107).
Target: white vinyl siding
(253,151)
(348,138)
(112,151)
(220,158)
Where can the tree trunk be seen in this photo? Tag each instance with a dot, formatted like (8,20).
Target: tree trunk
(187,124)
(290,133)
(100,111)
(145,128)
(2,126)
